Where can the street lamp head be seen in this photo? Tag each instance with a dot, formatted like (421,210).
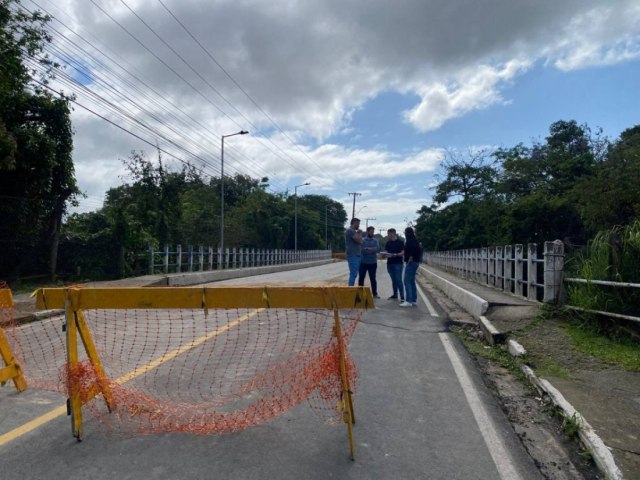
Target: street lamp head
(307,183)
(241,132)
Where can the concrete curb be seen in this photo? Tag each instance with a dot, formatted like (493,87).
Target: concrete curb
(592,442)
(588,437)
(194,278)
(491,333)
(472,303)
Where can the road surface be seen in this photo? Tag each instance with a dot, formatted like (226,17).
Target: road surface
(422,412)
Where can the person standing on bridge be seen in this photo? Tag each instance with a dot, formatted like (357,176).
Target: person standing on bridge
(353,249)
(369,261)
(412,257)
(394,252)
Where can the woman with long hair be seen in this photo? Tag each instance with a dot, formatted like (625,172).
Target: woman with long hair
(412,258)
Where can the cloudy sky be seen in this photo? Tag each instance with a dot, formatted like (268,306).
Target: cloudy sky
(352,95)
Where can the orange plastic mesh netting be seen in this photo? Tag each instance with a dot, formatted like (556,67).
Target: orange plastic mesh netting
(192,370)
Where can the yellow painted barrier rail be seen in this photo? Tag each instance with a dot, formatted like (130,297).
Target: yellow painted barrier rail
(11,370)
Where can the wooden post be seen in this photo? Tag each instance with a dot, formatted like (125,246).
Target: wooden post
(74,402)
(553,269)
(12,370)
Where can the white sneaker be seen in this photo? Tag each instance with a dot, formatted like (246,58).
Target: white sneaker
(406,304)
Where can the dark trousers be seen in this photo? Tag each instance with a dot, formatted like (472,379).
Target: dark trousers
(371,268)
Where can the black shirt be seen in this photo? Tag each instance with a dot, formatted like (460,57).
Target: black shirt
(412,249)
(394,246)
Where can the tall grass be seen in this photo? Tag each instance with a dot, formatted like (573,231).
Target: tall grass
(612,255)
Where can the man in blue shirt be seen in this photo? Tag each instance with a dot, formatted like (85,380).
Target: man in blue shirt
(353,249)
(369,261)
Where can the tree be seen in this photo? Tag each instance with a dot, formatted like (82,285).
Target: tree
(468,175)
(609,197)
(37,178)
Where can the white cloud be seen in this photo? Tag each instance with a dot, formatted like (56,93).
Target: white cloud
(472,89)
(310,66)
(603,36)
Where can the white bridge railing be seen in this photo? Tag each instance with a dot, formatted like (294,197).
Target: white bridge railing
(511,268)
(199,259)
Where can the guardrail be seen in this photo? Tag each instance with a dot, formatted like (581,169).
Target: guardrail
(199,259)
(510,268)
(605,283)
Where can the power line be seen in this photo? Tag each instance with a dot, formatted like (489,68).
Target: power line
(120,92)
(208,53)
(175,72)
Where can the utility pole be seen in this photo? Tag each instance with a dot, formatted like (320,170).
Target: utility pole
(326,225)
(355,194)
(367,221)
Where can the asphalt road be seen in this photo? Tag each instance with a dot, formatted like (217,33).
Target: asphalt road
(422,412)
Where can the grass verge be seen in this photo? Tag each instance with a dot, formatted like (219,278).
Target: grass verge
(621,351)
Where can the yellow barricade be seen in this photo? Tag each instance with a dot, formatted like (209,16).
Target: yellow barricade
(309,302)
(12,370)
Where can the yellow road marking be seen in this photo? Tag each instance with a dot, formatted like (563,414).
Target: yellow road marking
(61,410)
(32,425)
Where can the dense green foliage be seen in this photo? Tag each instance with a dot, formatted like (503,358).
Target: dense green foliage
(568,187)
(161,207)
(36,169)
(612,255)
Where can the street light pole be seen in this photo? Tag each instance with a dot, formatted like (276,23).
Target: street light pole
(367,221)
(326,223)
(241,132)
(295,215)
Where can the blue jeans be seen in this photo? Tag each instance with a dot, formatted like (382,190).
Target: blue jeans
(354,268)
(410,270)
(395,272)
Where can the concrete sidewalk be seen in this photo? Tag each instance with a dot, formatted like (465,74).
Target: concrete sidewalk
(608,398)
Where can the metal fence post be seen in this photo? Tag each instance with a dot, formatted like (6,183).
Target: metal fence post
(553,269)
